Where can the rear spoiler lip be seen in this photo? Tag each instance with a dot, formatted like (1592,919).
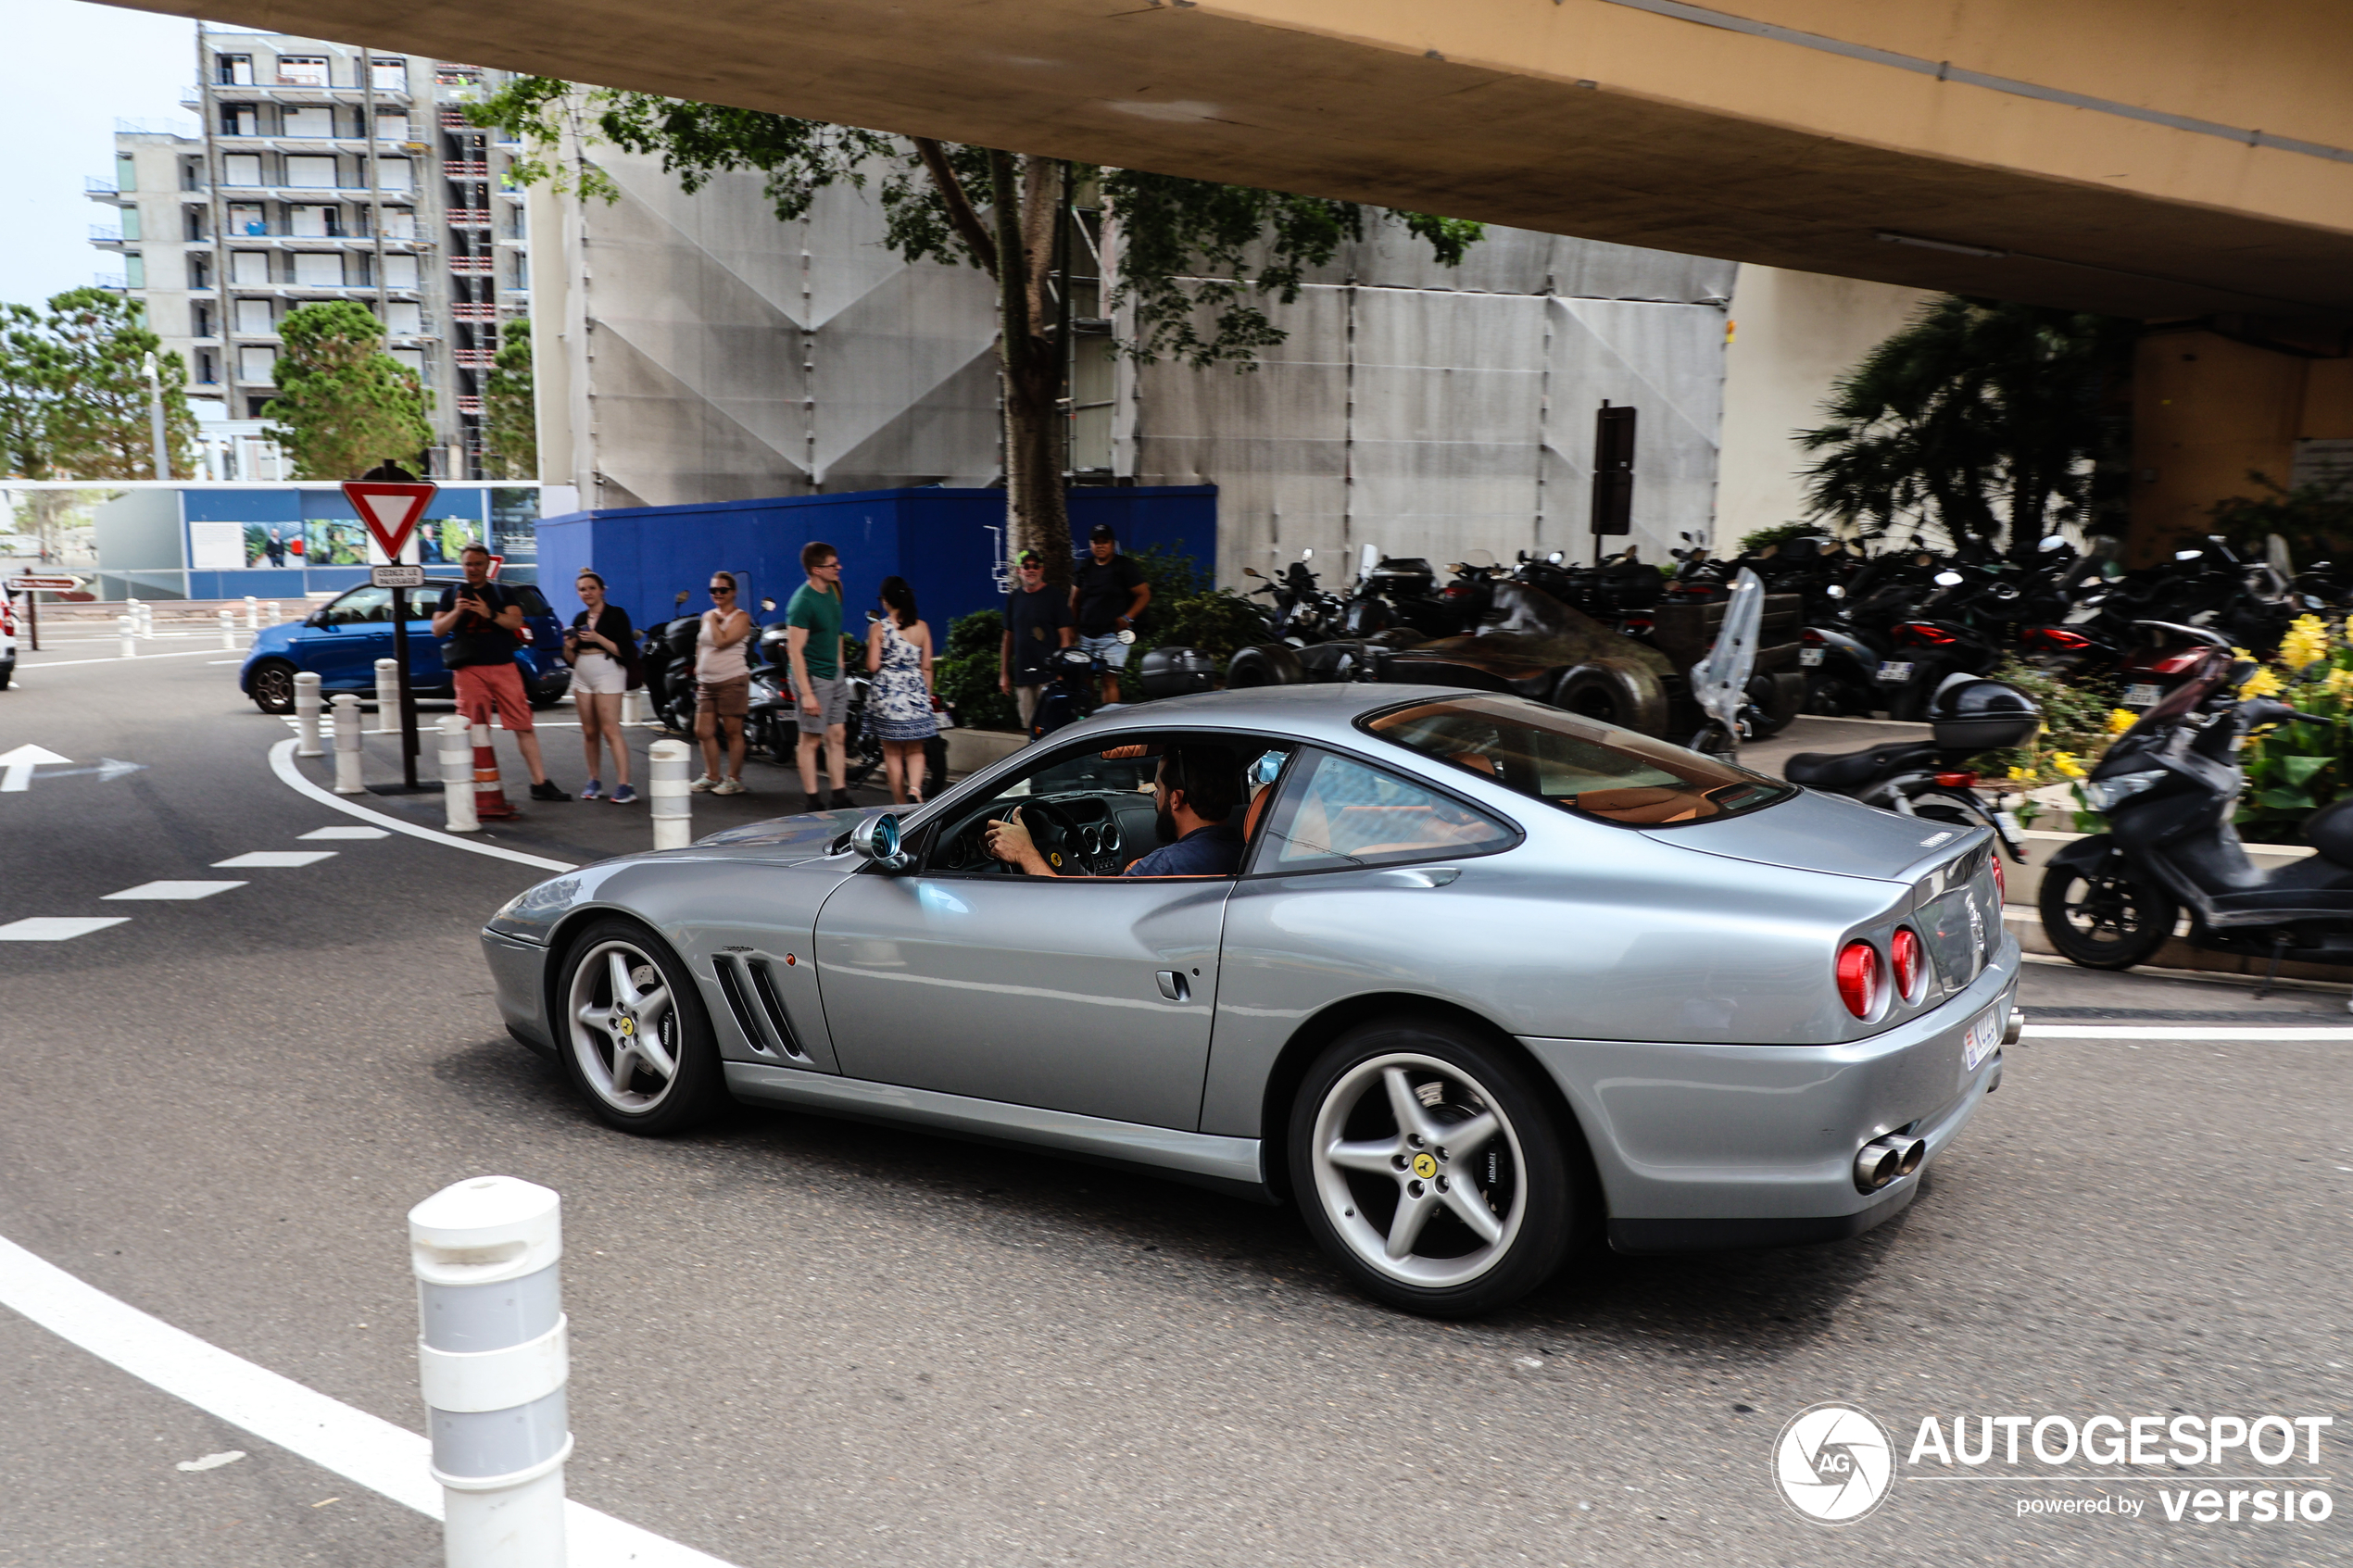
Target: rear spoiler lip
(1965,841)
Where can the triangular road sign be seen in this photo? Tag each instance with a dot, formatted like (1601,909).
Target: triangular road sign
(389,511)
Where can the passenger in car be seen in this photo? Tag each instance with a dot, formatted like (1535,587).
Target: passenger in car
(1198,793)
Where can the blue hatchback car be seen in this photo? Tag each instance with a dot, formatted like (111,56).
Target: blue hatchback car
(342,639)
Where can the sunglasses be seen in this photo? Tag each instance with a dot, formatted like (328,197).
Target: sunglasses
(719,588)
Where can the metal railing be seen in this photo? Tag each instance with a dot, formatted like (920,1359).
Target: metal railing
(93,186)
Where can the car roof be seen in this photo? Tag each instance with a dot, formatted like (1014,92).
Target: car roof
(1325,712)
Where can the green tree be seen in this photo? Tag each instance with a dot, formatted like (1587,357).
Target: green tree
(1197,260)
(74,397)
(1989,419)
(509,421)
(342,404)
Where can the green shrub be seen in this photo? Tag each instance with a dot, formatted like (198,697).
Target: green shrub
(966,674)
(1217,621)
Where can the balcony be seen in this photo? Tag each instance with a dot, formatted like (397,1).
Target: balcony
(110,279)
(101,234)
(290,93)
(313,195)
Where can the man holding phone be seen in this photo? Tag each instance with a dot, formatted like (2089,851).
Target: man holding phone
(479,625)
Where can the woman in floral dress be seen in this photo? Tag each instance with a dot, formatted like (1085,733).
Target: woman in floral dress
(899,700)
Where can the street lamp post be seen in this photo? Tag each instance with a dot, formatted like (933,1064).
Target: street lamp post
(155,418)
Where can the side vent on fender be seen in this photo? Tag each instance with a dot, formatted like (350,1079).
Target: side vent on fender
(772,1004)
(731,986)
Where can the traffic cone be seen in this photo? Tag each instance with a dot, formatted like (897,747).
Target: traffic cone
(491,804)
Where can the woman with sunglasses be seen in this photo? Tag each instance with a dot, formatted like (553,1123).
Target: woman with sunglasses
(723,686)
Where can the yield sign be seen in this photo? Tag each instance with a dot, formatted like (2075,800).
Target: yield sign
(390,511)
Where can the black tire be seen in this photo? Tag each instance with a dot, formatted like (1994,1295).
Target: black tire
(1838,698)
(2107,920)
(7,673)
(272,687)
(1613,692)
(1774,701)
(1535,1192)
(592,1055)
(1265,664)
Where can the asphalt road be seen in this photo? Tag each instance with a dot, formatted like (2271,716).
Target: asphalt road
(803,1341)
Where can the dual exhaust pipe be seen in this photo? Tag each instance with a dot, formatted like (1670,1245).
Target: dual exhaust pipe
(1884,1158)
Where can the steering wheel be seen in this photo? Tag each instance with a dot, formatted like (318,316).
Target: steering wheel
(1055,833)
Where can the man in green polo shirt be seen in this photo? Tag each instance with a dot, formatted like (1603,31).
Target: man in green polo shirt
(812,639)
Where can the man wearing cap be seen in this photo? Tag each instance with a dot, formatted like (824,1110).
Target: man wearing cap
(1037,624)
(1107,593)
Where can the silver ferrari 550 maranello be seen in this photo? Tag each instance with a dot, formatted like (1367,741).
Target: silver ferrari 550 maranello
(1472,981)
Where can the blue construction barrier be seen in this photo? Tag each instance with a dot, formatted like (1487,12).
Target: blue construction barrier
(944,543)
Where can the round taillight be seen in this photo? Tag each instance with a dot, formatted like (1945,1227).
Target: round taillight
(2001,883)
(1904,958)
(1858,978)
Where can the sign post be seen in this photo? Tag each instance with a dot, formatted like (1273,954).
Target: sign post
(390,505)
(32,586)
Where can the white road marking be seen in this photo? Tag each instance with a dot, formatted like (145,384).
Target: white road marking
(176,889)
(276,858)
(55,928)
(2254,1032)
(15,767)
(212,1462)
(361,1448)
(61,663)
(345,832)
(281,762)
(224,661)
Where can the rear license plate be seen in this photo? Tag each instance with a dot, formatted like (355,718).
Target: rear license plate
(1984,1036)
(1809,657)
(2141,694)
(1895,670)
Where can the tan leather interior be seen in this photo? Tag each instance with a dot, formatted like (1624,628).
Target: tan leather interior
(1642,805)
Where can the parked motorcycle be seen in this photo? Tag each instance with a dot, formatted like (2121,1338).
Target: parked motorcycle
(2170,788)
(1302,611)
(1071,690)
(1930,779)
(666,652)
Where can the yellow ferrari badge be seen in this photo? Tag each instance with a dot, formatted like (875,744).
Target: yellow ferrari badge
(1425,1167)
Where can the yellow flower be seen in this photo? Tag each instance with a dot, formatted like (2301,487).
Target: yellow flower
(2262,683)
(2120,720)
(2066,763)
(2306,640)
(2021,775)
(2338,684)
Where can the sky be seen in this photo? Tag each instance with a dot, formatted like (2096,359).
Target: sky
(72,70)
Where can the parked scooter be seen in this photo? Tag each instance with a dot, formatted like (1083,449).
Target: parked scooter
(1302,612)
(666,652)
(1967,715)
(1072,691)
(2170,788)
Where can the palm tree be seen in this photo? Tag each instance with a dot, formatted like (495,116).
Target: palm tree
(1986,419)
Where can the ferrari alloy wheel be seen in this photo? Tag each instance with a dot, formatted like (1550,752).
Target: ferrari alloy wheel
(636,1041)
(2107,920)
(1431,1170)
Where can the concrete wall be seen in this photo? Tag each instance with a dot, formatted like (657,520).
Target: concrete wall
(1792,335)
(1430,410)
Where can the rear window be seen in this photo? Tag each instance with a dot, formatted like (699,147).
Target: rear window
(1589,768)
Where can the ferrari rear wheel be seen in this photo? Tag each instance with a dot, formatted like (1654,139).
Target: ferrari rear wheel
(636,1041)
(1432,1170)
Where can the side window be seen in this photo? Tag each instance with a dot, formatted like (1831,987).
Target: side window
(361,604)
(1340,814)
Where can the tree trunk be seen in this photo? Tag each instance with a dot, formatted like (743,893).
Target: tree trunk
(1038,515)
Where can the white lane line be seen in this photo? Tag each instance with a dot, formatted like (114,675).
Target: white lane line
(2257,1031)
(359,1447)
(345,832)
(276,858)
(61,663)
(281,762)
(55,928)
(176,889)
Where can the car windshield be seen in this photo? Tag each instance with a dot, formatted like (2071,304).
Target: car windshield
(1587,768)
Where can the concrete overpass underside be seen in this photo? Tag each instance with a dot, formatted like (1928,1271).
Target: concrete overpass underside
(2147,158)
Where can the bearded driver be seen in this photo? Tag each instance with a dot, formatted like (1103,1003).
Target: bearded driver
(1197,793)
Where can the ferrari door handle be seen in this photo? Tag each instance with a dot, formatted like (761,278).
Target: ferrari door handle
(1417,876)
(1173,986)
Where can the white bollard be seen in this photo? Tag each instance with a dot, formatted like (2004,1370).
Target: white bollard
(276,614)
(348,754)
(227,630)
(138,621)
(387,696)
(306,714)
(253,613)
(128,626)
(670,795)
(456,757)
(493,1360)
(633,706)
